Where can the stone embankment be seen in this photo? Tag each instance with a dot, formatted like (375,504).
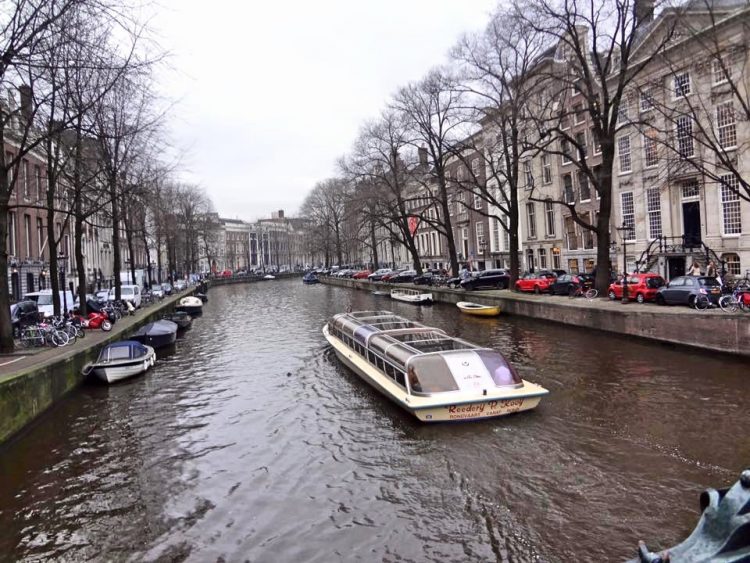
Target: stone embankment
(33,380)
(709,330)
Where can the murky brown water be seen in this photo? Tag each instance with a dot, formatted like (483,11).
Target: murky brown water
(252,442)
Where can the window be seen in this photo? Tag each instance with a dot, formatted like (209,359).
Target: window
(528,174)
(653,210)
(646,99)
(681,84)
(531,220)
(685,136)
(581,144)
(542,259)
(732,263)
(650,149)
(480,237)
(564,122)
(565,150)
(11,169)
(580,117)
(623,150)
(12,233)
(584,190)
(475,166)
(628,214)
(569,194)
(546,169)
(623,110)
(27,234)
(726,125)
(596,142)
(38,181)
(556,258)
(730,205)
(477,202)
(460,173)
(40,235)
(529,259)
(721,71)
(690,189)
(25,178)
(549,218)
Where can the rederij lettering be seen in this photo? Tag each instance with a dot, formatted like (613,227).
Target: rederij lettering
(478,409)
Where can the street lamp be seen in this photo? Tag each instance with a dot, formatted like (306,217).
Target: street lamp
(61,259)
(624,230)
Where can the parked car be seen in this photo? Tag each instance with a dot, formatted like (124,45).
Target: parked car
(130,293)
(389,276)
(23,314)
(406,276)
(537,282)
(641,287)
(167,287)
(566,283)
(487,279)
(157,291)
(180,285)
(684,289)
(43,299)
(102,296)
(377,275)
(361,274)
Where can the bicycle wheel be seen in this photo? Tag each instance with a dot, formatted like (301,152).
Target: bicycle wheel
(27,339)
(592,294)
(60,338)
(701,303)
(573,292)
(728,303)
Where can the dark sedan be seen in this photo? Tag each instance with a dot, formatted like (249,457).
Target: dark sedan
(404,277)
(488,279)
(684,290)
(567,283)
(23,314)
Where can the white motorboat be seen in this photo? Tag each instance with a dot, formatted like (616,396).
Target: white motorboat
(411,296)
(190,305)
(269,277)
(121,360)
(433,376)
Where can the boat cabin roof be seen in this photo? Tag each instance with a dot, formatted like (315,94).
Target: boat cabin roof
(122,350)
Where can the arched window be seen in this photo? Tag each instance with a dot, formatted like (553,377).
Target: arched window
(732,261)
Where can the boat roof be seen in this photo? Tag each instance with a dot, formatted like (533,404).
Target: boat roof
(397,337)
(120,343)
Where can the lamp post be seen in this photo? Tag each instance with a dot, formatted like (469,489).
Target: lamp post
(624,230)
(61,259)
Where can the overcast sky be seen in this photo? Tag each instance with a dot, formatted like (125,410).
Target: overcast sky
(270,94)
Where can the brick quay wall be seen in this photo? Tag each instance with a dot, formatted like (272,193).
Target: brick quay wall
(712,330)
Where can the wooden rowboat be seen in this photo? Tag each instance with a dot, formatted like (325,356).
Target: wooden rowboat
(477,309)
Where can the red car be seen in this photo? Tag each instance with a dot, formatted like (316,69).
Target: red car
(361,275)
(641,287)
(536,282)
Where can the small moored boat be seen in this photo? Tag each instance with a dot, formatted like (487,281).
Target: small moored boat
(433,376)
(190,305)
(477,309)
(202,296)
(411,296)
(157,334)
(269,277)
(181,319)
(379,293)
(121,360)
(310,278)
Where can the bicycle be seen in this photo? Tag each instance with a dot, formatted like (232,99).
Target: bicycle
(730,302)
(578,291)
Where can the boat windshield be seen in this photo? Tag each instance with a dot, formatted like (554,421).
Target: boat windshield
(127,352)
(430,374)
(500,370)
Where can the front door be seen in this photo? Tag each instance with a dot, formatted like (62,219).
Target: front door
(691,223)
(676,267)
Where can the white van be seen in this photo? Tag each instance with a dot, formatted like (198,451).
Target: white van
(43,300)
(130,293)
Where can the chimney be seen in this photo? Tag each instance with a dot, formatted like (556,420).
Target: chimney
(422,155)
(25,95)
(643,10)
(281,213)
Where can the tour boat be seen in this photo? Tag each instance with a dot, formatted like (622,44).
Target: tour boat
(411,296)
(477,309)
(190,305)
(121,360)
(157,334)
(310,278)
(432,375)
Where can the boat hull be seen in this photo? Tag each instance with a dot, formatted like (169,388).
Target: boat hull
(421,299)
(156,341)
(194,310)
(461,411)
(122,371)
(478,311)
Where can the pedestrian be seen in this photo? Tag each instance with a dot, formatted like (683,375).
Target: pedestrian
(711,269)
(695,270)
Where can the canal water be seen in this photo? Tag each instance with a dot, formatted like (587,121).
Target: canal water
(251,442)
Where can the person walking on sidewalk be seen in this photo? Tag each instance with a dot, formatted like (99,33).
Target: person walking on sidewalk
(695,270)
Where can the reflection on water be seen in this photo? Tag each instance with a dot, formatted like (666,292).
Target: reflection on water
(250,441)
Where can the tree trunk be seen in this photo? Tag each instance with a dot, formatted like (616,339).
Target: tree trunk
(374,242)
(80,267)
(6,330)
(116,257)
(513,239)
(126,219)
(603,266)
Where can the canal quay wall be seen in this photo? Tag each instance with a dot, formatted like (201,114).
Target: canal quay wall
(708,330)
(51,373)
(250,279)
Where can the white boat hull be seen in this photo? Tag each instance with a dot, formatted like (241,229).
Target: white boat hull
(498,403)
(422,298)
(115,373)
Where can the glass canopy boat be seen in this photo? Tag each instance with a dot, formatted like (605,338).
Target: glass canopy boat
(434,376)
